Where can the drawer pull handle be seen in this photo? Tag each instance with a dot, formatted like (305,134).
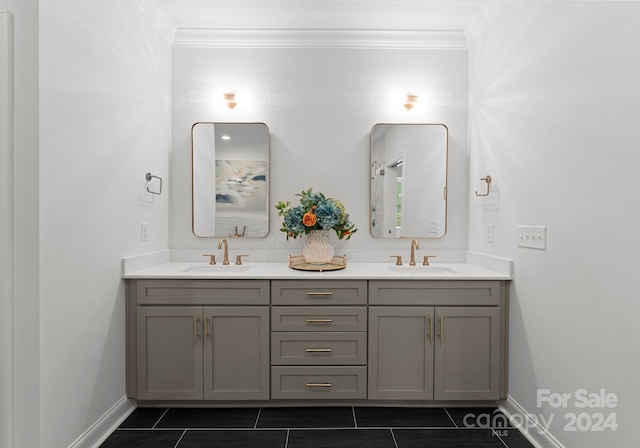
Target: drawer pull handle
(319,293)
(319,385)
(318,350)
(319,321)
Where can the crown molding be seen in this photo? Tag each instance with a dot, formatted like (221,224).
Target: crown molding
(319,38)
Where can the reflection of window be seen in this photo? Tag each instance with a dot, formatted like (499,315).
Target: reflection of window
(399,202)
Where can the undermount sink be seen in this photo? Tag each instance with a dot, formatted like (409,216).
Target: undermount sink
(217,268)
(421,269)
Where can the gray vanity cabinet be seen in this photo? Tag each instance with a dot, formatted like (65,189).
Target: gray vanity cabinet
(169,353)
(467,353)
(198,352)
(236,353)
(437,340)
(325,339)
(401,353)
(319,339)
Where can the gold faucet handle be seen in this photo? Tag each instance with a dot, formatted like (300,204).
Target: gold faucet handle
(398,259)
(239,259)
(426,259)
(212,258)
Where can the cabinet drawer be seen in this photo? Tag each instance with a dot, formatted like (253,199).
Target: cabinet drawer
(309,318)
(203,292)
(434,292)
(319,292)
(319,348)
(319,383)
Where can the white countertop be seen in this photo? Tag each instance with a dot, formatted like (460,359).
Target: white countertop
(277,271)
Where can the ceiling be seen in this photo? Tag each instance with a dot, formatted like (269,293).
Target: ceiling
(378,15)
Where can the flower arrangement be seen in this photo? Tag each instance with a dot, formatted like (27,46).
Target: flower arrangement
(315,212)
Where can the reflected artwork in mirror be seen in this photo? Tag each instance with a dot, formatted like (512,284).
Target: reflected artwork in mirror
(230,179)
(408,188)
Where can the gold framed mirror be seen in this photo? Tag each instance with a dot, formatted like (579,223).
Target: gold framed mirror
(408,191)
(230,179)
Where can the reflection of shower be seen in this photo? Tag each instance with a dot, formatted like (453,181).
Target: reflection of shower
(377,170)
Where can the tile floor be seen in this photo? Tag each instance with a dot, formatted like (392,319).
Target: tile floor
(316,427)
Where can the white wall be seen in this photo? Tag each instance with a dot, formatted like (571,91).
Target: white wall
(22,415)
(105,122)
(320,105)
(554,98)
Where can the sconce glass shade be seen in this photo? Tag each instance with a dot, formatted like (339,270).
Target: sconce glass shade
(230,98)
(410,101)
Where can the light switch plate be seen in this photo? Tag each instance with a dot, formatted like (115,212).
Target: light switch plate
(144,231)
(489,233)
(534,237)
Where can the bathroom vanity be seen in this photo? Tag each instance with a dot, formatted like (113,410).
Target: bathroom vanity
(362,334)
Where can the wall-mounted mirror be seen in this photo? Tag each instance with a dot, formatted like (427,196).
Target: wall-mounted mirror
(230,179)
(408,180)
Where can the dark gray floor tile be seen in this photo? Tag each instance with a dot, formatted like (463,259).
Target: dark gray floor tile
(126,438)
(391,417)
(479,418)
(143,418)
(209,418)
(340,438)
(235,438)
(513,438)
(447,438)
(325,417)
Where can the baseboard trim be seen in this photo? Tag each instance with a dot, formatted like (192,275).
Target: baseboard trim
(105,425)
(538,436)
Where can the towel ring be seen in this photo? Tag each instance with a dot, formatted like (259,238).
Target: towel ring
(487,179)
(150,176)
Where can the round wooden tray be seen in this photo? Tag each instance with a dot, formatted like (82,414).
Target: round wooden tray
(298,262)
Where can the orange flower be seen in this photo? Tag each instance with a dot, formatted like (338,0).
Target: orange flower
(309,219)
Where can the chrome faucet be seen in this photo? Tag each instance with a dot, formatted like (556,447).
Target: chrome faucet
(226,250)
(414,245)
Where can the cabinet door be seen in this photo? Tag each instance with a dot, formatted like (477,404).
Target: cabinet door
(467,353)
(236,353)
(169,353)
(401,353)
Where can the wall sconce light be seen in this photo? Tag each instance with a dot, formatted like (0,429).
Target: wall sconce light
(230,98)
(410,101)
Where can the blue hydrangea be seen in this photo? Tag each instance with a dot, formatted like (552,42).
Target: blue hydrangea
(293,219)
(328,214)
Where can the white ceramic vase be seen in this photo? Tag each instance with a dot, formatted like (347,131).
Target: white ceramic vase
(318,247)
